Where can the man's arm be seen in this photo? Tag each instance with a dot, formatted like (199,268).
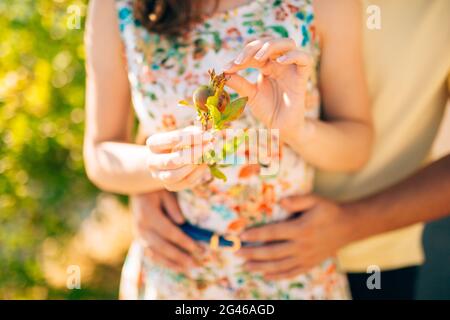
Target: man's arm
(423,197)
(294,246)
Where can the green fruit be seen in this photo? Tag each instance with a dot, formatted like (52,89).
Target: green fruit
(200,96)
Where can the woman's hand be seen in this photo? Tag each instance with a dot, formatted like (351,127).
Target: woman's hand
(175,157)
(293,247)
(156,216)
(277,99)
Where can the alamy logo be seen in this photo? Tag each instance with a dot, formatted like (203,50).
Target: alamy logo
(374,280)
(373,21)
(74,18)
(73,277)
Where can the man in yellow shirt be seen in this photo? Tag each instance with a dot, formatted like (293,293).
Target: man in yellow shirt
(407,66)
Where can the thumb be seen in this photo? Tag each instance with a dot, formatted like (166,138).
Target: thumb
(241,85)
(295,204)
(171,207)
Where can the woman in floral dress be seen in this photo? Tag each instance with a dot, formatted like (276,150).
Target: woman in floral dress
(278,53)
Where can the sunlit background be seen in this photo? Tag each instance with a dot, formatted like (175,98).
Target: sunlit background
(51,216)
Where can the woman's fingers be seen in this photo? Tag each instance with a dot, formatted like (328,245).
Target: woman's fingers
(169,177)
(301,59)
(258,52)
(242,86)
(177,139)
(192,179)
(249,51)
(295,56)
(273,48)
(178,159)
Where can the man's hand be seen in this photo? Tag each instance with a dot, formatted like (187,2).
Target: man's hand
(293,247)
(156,216)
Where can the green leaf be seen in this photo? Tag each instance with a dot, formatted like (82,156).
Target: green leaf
(184,103)
(298,285)
(217,173)
(217,41)
(232,145)
(234,109)
(216,116)
(253,23)
(209,157)
(280,30)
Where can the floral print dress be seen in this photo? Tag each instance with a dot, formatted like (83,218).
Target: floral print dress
(163,71)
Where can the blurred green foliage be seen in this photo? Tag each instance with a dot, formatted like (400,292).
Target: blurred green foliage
(43,188)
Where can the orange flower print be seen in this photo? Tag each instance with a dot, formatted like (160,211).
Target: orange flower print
(281,14)
(237,225)
(249,170)
(292,8)
(268,191)
(169,122)
(232,38)
(268,198)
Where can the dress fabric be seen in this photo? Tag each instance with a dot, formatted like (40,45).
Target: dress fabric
(163,71)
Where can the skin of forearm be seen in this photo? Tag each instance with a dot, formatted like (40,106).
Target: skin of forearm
(120,168)
(342,146)
(423,197)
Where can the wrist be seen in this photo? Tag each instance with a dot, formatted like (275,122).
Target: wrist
(359,221)
(300,137)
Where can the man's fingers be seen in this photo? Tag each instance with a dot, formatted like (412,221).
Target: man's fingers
(159,258)
(294,204)
(171,207)
(169,250)
(242,86)
(177,139)
(271,266)
(168,230)
(267,252)
(272,232)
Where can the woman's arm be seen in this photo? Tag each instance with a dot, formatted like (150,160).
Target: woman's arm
(342,142)
(112,163)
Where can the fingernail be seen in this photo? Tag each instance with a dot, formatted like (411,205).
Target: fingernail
(260,54)
(239,59)
(281,59)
